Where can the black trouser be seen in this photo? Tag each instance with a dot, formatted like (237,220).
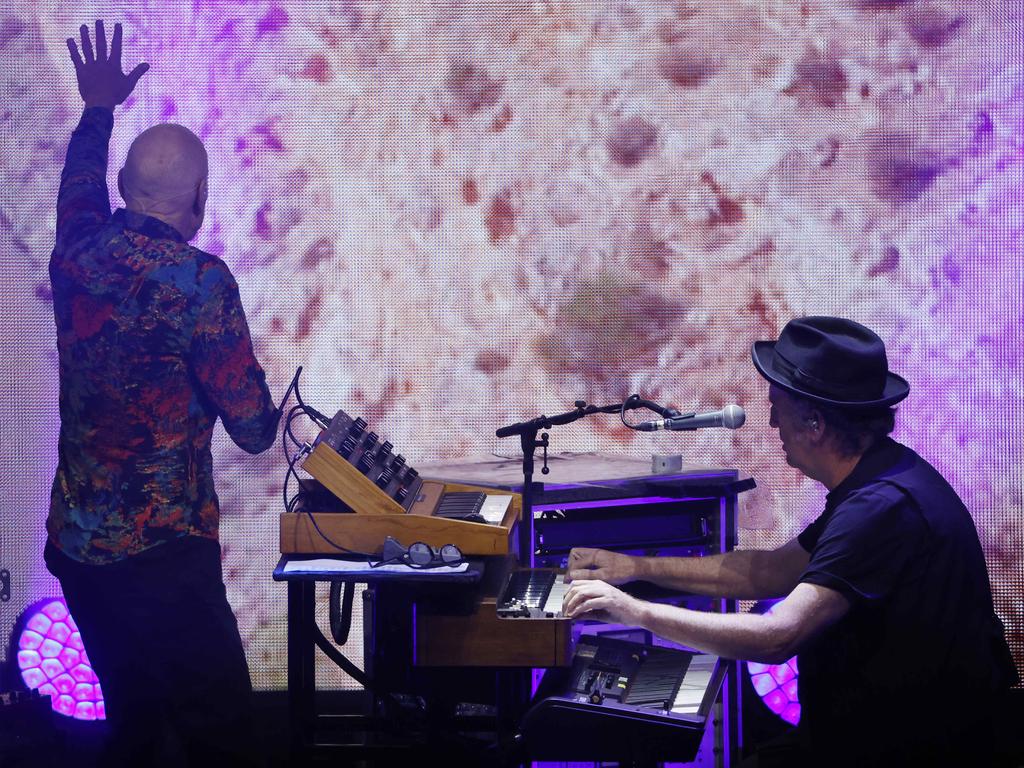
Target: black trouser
(165,646)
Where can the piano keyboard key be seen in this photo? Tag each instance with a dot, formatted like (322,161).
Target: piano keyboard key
(494,508)
(533,594)
(695,684)
(553,604)
(461,505)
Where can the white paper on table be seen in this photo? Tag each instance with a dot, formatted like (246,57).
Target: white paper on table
(333,565)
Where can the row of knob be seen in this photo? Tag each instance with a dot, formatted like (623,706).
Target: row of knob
(394,474)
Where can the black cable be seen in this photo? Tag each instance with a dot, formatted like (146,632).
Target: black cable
(290,504)
(342,661)
(286,433)
(288,425)
(294,385)
(340,610)
(635,401)
(622,410)
(318,417)
(369,557)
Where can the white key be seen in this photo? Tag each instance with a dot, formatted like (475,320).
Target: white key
(553,604)
(695,684)
(494,508)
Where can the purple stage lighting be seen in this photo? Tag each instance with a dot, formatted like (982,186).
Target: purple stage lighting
(776,684)
(53,661)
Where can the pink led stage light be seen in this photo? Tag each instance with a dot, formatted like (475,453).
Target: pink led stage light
(53,660)
(776,684)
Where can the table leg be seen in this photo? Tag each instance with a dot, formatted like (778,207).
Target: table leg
(301,669)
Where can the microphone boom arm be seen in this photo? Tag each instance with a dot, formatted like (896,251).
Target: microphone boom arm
(527,431)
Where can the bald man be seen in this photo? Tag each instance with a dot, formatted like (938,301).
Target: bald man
(153,347)
(165,177)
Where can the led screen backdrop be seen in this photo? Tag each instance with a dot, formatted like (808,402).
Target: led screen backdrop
(462,214)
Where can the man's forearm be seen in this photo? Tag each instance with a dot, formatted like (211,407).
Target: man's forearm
(89,144)
(83,197)
(739,575)
(771,637)
(747,636)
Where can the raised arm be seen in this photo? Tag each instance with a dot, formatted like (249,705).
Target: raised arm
(741,574)
(83,200)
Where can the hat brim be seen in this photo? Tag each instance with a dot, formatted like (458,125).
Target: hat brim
(763,355)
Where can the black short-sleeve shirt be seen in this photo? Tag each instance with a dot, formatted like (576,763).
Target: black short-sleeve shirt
(921,652)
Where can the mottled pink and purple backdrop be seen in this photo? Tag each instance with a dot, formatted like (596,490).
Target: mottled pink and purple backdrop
(457,215)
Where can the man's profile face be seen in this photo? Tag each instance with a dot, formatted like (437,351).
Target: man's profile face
(787,417)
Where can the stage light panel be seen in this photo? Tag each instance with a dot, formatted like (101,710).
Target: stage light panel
(52,660)
(777,686)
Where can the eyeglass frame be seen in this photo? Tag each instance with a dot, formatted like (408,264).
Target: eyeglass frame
(437,557)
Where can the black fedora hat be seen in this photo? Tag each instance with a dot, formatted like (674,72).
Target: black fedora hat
(830,360)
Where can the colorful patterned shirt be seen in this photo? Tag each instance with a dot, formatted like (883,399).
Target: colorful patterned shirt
(153,346)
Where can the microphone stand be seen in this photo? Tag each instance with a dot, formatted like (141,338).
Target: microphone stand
(527,431)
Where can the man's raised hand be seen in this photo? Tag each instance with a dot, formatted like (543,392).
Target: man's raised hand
(101,82)
(612,567)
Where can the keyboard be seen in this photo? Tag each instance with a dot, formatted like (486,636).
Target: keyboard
(695,685)
(533,593)
(474,506)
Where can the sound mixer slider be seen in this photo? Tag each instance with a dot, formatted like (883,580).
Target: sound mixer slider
(348,445)
(365,462)
(386,476)
(368,458)
(407,482)
(355,431)
(392,471)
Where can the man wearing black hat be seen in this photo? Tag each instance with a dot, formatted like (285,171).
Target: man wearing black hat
(886,594)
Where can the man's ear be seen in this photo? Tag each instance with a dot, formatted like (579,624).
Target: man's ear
(202,193)
(816,425)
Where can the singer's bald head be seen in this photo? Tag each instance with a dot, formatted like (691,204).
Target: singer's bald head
(164,176)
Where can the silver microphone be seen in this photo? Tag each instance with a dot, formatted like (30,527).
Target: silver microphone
(730,417)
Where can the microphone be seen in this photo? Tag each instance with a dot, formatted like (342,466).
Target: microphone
(730,417)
